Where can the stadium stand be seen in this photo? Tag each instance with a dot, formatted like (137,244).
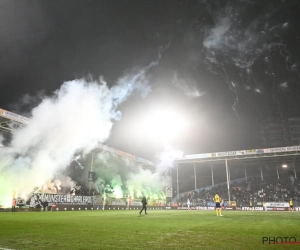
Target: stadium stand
(271,189)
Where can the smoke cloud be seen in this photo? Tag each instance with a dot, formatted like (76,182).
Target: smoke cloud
(167,157)
(74,119)
(125,177)
(144,182)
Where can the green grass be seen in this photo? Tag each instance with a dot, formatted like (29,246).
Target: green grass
(160,229)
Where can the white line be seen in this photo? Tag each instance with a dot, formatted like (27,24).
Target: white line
(5,248)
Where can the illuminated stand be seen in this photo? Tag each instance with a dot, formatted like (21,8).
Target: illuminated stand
(276,157)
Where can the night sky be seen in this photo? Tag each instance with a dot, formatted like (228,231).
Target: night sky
(226,65)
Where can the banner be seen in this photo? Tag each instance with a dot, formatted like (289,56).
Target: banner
(194,208)
(283,149)
(277,204)
(41,200)
(254,208)
(205,208)
(240,153)
(277,209)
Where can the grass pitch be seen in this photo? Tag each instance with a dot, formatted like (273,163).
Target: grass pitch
(160,229)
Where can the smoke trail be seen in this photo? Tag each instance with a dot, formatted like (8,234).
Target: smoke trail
(74,119)
(235,42)
(187,86)
(289,64)
(283,85)
(274,95)
(216,39)
(231,87)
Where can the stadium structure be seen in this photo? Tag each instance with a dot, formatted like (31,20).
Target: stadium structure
(278,168)
(10,121)
(271,163)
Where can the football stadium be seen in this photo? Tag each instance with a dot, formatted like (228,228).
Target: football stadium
(149,124)
(95,202)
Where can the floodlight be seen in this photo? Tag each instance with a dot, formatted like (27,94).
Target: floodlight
(284,166)
(165,125)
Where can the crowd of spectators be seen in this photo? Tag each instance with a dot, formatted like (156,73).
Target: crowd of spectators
(270,189)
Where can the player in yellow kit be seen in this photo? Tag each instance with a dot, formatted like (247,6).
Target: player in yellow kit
(251,206)
(217,200)
(291,205)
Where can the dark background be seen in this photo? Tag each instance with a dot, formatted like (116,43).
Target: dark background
(44,43)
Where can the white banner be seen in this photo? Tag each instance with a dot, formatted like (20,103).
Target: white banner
(283,149)
(37,200)
(277,204)
(239,153)
(276,209)
(205,208)
(255,208)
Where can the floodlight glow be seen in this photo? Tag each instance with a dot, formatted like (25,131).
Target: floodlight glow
(284,166)
(165,125)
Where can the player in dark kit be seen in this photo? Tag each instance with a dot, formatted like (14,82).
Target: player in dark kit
(144,203)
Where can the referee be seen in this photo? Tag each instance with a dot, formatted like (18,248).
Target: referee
(144,203)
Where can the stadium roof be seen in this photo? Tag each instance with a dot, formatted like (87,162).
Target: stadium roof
(256,157)
(10,121)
